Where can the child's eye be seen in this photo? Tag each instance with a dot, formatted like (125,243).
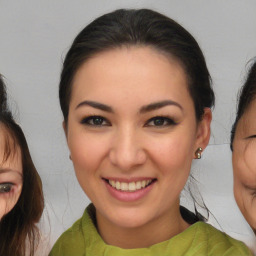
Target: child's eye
(95,121)
(5,187)
(160,121)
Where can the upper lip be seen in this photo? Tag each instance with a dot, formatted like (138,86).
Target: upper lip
(128,180)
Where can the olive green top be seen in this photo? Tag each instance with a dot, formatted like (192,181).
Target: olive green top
(199,239)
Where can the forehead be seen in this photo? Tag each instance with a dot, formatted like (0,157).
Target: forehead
(10,153)
(131,71)
(247,122)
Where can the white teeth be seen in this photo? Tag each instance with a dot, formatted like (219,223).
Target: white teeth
(138,185)
(124,186)
(132,186)
(129,186)
(118,186)
(112,183)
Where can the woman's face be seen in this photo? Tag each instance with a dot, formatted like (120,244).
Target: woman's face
(10,176)
(244,165)
(132,134)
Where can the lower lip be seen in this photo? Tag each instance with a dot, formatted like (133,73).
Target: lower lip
(129,196)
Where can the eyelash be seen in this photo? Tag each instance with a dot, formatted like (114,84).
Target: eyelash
(99,121)
(89,119)
(252,136)
(164,121)
(6,187)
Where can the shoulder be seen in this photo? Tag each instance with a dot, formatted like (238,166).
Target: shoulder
(219,243)
(71,242)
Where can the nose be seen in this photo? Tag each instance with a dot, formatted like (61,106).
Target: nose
(127,150)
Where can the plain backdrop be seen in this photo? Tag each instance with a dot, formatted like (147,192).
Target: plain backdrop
(34,38)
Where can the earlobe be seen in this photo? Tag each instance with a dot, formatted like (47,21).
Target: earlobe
(204,130)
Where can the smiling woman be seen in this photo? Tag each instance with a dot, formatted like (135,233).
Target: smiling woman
(145,140)
(243,145)
(136,96)
(21,196)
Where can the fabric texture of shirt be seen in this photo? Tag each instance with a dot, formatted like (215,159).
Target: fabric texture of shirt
(200,239)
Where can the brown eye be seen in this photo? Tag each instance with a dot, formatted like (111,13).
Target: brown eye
(5,187)
(95,121)
(160,121)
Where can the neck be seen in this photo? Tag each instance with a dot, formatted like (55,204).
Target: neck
(156,231)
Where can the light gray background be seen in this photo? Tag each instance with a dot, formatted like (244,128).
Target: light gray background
(34,37)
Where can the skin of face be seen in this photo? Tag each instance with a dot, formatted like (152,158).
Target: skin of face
(131,118)
(244,165)
(10,177)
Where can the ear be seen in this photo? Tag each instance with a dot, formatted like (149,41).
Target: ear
(204,130)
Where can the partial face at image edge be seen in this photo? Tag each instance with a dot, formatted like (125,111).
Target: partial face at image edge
(244,165)
(10,173)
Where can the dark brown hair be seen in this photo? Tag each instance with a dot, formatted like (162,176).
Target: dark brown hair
(142,28)
(245,97)
(3,97)
(18,232)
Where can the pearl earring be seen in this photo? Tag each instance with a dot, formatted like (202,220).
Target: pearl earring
(198,153)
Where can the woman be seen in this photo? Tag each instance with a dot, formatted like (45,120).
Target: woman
(135,95)
(21,196)
(243,145)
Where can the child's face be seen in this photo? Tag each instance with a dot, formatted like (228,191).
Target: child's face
(244,165)
(132,134)
(10,176)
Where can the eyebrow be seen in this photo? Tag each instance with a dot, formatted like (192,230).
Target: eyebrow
(143,109)
(158,105)
(95,105)
(6,170)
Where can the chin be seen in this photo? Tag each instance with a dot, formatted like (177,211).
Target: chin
(128,218)
(130,223)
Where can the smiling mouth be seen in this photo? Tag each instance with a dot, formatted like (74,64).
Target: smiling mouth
(130,186)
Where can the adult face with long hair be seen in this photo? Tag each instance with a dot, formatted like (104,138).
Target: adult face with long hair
(122,64)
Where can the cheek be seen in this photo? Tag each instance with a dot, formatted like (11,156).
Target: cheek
(246,202)
(172,154)
(244,164)
(240,175)
(250,159)
(87,151)
(8,201)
